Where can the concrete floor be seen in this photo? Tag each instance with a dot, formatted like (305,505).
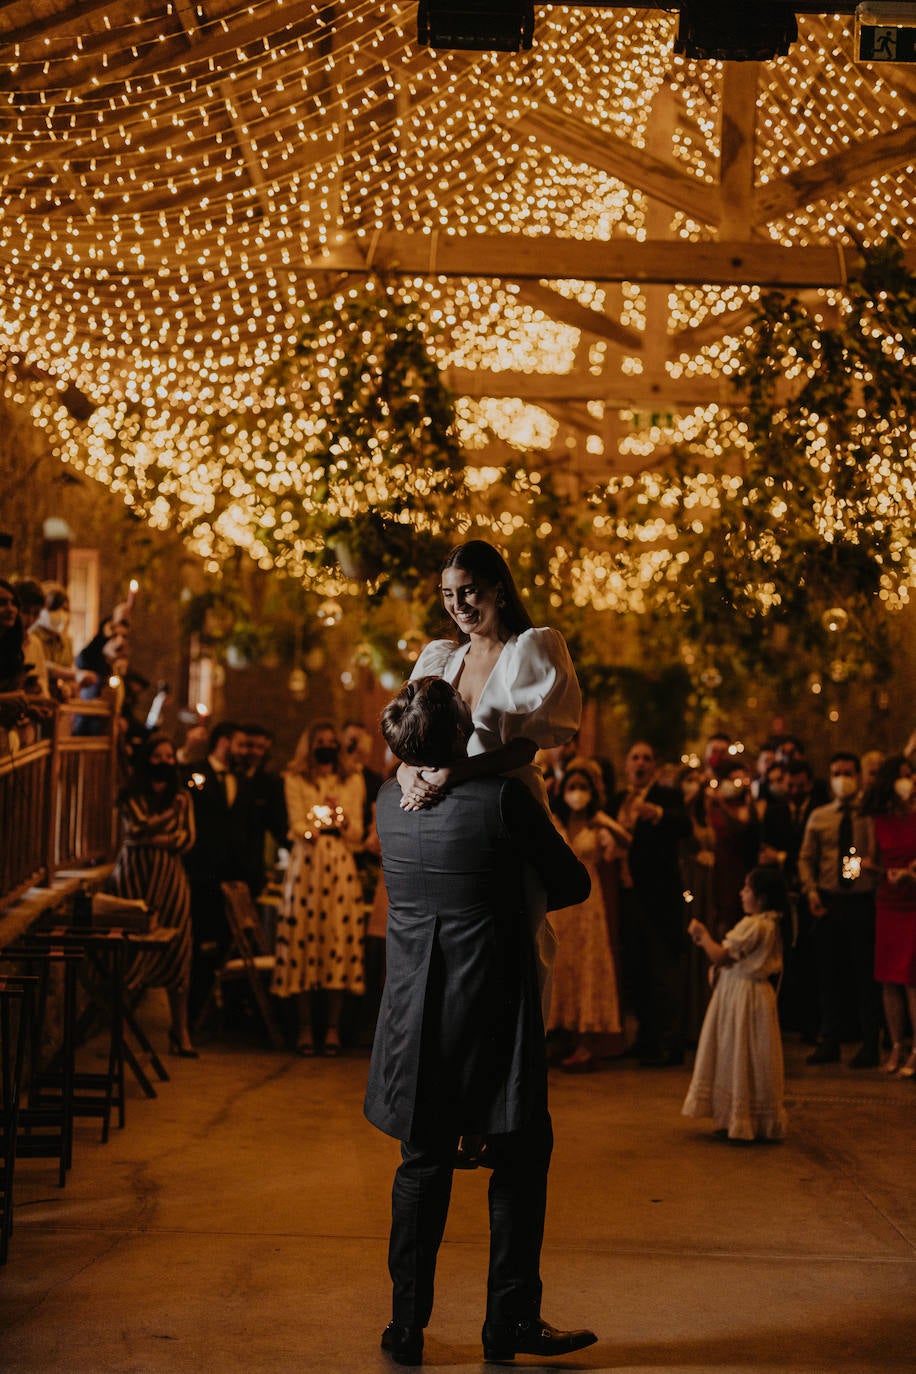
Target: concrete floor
(239,1223)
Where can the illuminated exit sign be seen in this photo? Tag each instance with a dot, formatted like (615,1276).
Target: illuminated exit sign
(885,44)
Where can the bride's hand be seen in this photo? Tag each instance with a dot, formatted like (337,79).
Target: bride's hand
(421,787)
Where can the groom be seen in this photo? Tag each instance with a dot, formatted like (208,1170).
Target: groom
(460,1042)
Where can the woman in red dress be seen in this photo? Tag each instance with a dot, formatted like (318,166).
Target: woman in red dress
(891,801)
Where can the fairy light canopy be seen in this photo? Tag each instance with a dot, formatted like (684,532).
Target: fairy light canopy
(583,226)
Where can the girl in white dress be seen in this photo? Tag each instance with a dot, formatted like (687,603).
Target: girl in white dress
(320,930)
(738,1076)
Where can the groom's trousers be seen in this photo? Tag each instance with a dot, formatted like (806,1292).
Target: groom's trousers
(517,1202)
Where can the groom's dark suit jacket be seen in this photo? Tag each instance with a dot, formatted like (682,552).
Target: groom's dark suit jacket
(460,1039)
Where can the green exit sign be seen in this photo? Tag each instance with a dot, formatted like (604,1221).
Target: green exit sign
(885,44)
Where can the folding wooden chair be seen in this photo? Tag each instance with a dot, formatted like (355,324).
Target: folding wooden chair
(247,956)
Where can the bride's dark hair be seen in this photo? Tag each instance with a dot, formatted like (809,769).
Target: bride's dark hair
(480,559)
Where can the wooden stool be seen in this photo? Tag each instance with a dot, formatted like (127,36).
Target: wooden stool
(16,996)
(97,1094)
(46,1118)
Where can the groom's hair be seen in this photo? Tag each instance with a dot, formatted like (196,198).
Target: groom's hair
(420,725)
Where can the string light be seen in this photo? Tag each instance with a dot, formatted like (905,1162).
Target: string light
(168,175)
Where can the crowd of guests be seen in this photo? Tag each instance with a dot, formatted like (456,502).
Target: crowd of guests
(215,812)
(669,849)
(675,848)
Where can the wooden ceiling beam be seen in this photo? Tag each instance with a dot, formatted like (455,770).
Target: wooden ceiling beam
(53,25)
(569,311)
(676,262)
(833,175)
(730,323)
(515,257)
(215,52)
(738,130)
(609,153)
(624,393)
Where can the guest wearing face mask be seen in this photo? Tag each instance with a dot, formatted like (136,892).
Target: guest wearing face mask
(584,1001)
(320,933)
(52,628)
(891,803)
(157,827)
(836,871)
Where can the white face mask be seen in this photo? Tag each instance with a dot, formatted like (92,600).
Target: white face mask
(729,790)
(904,788)
(577,798)
(843,787)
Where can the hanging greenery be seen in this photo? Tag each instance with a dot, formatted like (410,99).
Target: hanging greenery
(787,558)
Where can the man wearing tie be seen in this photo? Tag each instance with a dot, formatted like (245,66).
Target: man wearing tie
(834,866)
(652,924)
(216,856)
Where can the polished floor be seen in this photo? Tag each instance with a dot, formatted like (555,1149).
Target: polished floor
(238,1223)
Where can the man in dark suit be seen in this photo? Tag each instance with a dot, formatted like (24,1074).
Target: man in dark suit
(261,806)
(460,1040)
(217,856)
(652,921)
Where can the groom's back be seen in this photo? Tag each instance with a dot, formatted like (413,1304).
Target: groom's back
(452,859)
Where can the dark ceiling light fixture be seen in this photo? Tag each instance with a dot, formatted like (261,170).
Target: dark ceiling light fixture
(730,31)
(478,25)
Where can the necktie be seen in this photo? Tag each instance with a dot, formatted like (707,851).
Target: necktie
(844,844)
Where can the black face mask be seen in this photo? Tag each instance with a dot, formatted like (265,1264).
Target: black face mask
(327,753)
(162,772)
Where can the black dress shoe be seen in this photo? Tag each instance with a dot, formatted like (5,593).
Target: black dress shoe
(827,1052)
(865,1058)
(403,1343)
(505,1340)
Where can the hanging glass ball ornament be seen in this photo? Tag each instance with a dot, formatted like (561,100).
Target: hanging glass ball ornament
(411,644)
(711,678)
(835,620)
(839,670)
(330,613)
(315,659)
(298,684)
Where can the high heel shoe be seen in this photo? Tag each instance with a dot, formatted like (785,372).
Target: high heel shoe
(182,1051)
(909,1068)
(892,1062)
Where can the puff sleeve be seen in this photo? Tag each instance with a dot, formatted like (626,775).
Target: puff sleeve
(434,659)
(544,702)
(744,938)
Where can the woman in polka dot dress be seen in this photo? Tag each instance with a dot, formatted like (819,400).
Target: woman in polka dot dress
(320,932)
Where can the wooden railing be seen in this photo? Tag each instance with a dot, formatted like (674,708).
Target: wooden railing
(56,790)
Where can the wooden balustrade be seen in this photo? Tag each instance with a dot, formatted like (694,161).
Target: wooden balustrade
(56,789)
